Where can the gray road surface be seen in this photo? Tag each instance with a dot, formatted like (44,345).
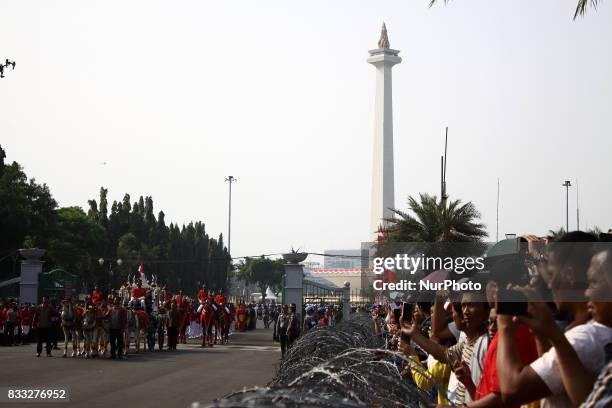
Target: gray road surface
(158,380)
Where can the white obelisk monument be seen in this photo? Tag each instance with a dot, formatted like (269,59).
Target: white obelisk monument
(383,195)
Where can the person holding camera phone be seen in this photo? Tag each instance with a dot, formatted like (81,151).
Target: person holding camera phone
(580,353)
(466,357)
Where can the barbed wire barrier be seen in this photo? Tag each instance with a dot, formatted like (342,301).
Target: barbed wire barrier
(340,366)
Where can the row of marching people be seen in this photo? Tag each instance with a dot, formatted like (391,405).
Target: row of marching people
(97,329)
(101,326)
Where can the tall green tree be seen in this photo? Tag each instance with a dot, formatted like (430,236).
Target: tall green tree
(263,272)
(76,243)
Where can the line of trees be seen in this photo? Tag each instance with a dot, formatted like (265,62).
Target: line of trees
(182,256)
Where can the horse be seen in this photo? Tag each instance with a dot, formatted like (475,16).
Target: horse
(132,323)
(69,321)
(183,322)
(207,319)
(222,324)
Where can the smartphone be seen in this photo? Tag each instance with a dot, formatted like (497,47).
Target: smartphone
(407,312)
(396,315)
(511,302)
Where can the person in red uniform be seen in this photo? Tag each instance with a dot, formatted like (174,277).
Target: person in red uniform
(96,296)
(138,292)
(203,294)
(180,304)
(220,299)
(25,316)
(241,315)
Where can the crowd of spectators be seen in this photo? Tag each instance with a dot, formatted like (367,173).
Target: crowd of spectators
(546,342)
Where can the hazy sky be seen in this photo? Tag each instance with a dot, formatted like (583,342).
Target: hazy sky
(177,95)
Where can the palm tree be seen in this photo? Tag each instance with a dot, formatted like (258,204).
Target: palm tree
(435,229)
(556,234)
(580,7)
(436,221)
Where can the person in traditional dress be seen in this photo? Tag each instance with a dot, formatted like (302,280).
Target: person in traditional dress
(241,317)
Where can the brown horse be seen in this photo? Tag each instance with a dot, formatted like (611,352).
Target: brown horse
(222,325)
(207,319)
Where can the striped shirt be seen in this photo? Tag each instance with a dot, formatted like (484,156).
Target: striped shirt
(471,353)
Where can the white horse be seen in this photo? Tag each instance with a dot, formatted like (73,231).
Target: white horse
(69,327)
(132,330)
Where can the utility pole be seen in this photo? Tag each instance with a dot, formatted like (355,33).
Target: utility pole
(230,179)
(567,185)
(497,215)
(443,195)
(577,208)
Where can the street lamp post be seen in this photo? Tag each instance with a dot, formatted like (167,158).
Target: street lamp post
(567,185)
(119,262)
(230,179)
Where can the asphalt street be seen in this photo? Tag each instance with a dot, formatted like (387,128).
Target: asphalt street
(158,379)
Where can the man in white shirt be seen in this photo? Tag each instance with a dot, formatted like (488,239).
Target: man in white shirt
(581,350)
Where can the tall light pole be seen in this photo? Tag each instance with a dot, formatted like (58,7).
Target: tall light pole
(119,262)
(230,179)
(567,185)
